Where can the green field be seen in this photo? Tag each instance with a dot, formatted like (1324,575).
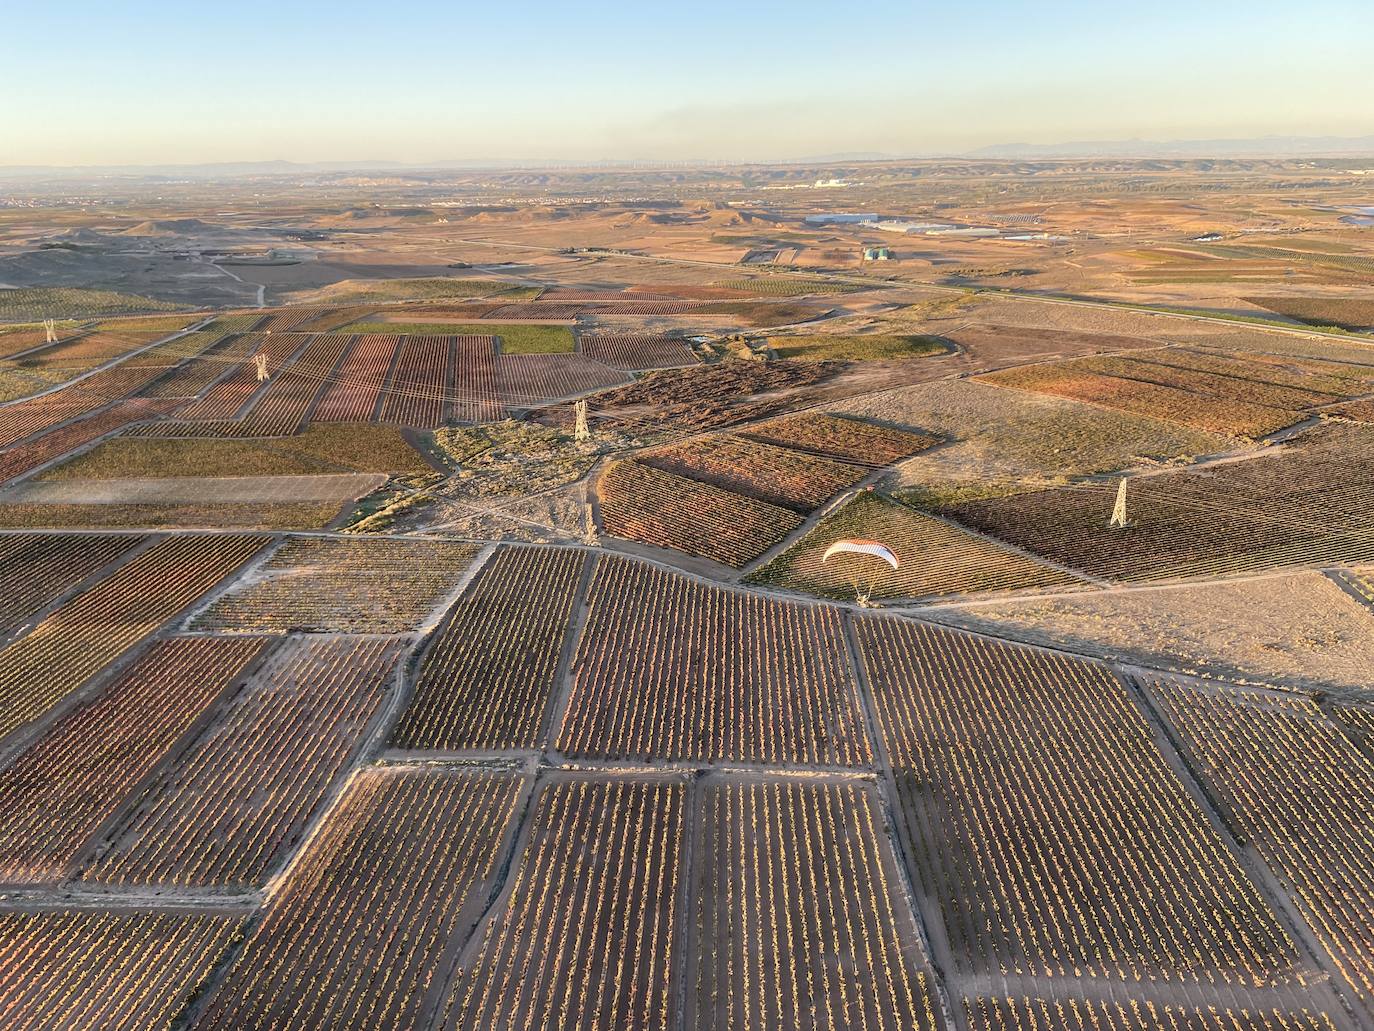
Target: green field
(256,516)
(323,448)
(431,289)
(789,286)
(35,303)
(516,338)
(764,313)
(857,348)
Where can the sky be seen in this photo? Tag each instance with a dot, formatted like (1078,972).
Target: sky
(187,81)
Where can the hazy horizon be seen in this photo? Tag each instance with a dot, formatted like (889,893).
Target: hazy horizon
(156,83)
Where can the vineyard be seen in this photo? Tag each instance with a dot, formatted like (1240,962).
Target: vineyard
(530,380)
(60,790)
(415,395)
(635,351)
(124,971)
(641,503)
(51,445)
(672,668)
(228,397)
(1245,396)
(229,808)
(585,938)
(208,357)
(403,779)
(351,938)
(764,472)
(795,925)
(26,418)
(788,286)
(732,497)
(36,570)
(31,303)
(1307,504)
(936,558)
(488,677)
(1352,313)
(1302,794)
(1086,1015)
(91,630)
(354,394)
(476,381)
(361,586)
(1056,838)
(842,439)
(282,407)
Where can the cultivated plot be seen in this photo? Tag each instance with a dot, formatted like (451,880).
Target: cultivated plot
(672,668)
(361,586)
(361,927)
(799,921)
(117,971)
(487,680)
(585,938)
(233,805)
(1302,793)
(1051,831)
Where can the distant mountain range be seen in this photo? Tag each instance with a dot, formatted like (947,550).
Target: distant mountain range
(1257,147)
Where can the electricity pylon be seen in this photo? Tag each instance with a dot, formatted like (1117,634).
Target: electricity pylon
(1119,512)
(581,431)
(260,360)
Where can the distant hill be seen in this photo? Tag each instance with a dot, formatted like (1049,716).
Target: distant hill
(171,227)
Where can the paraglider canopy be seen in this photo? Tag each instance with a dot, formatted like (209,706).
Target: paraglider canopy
(859,546)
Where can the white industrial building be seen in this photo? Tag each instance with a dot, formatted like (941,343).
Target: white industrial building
(840,218)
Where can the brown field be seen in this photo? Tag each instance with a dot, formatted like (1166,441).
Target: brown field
(227,810)
(488,678)
(739,654)
(1298,629)
(936,558)
(641,503)
(346,586)
(1213,521)
(1147,891)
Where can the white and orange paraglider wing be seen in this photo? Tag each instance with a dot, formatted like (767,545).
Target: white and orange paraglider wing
(859,546)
